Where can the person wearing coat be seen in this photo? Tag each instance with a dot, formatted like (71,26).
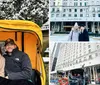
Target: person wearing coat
(74,33)
(83,35)
(2,64)
(4,79)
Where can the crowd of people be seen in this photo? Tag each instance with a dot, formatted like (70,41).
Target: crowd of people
(71,79)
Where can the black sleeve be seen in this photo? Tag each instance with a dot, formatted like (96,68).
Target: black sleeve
(26,70)
(86,35)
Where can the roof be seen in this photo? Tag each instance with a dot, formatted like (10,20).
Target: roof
(21,25)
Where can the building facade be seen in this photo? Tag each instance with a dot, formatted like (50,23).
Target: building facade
(53,56)
(64,14)
(78,55)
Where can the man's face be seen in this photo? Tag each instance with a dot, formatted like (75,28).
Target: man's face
(9,47)
(82,28)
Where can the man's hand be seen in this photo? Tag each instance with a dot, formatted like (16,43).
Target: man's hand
(6,77)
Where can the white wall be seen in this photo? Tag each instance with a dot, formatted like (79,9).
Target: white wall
(71,52)
(87,10)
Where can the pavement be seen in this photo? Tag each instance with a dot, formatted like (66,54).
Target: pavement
(57,84)
(64,38)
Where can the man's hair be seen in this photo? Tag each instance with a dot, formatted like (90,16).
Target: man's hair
(0,51)
(9,41)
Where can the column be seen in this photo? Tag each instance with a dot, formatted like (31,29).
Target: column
(62,27)
(65,73)
(55,27)
(94,73)
(90,74)
(93,27)
(58,26)
(86,25)
(52,27)
(98,28)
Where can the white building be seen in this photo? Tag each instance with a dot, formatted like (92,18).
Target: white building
(64,13)
(76,55)
(54,50)
(45,26)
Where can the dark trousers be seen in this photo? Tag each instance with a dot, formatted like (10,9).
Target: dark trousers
(4,81)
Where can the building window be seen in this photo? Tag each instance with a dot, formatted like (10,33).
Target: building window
(75,4)
(81,10)
(64,15)
(98,15)
(53,10)
(81,15)
(75,15)
(76,61)
(80,3)
(70,10)
(80,60)
(89,46)
(53,3)
(90,51)
(64,10)
(52,15)
(57,15)
(58,10)
(93,10)
(85,59)
(97,46)
(98,9)
(96,54)
(69,15)
(93,15)
(85,4)
(90,57)
(58,3)
(87,10)
(75,10)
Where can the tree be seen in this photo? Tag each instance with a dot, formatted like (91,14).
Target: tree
(32,10)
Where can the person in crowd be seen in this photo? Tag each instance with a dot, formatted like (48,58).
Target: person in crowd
(74,33)
(79,77)
(86,79)
(2,64)
(17,66)
(60,80)
(83,35)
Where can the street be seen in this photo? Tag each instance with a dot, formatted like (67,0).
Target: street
(58,84)
(64,38)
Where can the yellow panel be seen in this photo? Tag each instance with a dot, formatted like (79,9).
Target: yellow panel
(30,40)
(30,47)
(21,25)
(6,35)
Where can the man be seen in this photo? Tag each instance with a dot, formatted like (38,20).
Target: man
(2,64)
(17,65)
(83,35)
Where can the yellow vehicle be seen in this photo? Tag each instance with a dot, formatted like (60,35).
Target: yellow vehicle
(28,36)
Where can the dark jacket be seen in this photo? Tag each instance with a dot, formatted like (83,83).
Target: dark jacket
(4,81)
(83,36)
(18,65)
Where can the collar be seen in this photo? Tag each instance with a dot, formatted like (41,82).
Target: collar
(13,52)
